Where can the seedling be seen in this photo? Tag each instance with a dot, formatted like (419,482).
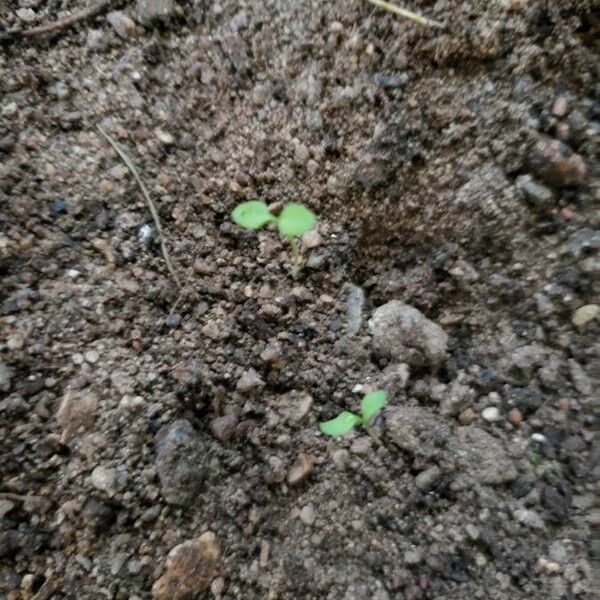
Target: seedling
(293,220)
(370,406)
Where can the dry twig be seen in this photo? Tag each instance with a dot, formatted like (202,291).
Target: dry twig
(409,14)
(15,34)
(149,201)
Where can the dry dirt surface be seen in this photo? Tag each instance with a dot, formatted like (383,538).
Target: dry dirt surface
(162,442)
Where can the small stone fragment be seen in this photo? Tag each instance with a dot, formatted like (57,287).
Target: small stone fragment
(301,469)
(558,165)
(467,416)
(354,309)
(361,446)
(579,377)
(515,417)
(249,381)
(77,412)
(308,514)
(272,355)
(394,379)
(165,137)
(224,427)
(26,14)
(525,360)
(491,414)
(529,518)
(413,557)
(312,239)
(294,406)
(190,569)
(104,479)
(456,398)
(536,193)
(426,479)
(148,11)
(121,22)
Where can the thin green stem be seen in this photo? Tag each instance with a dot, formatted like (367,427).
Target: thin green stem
(371,433)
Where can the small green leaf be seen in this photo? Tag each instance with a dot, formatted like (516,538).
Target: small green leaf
(341,425)
(372,403)
(295,219)
(252,214)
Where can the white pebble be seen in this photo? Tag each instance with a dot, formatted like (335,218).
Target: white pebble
(491,414)
(104,479)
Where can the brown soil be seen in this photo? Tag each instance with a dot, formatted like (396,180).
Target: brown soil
(455,170)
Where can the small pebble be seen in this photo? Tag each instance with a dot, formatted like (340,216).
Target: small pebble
(467,416)
(529,518)
(560,107)
(224,428)
(585,314)
(361,446)
(515,417)
(164,137)
(91,356)
(26,14)
(301,469)
(426,479)
(145,234)
(104,479)
(250,380)
(311,239)
(58,207)
(308,514)
(413,557)
(491,414)
(173,320)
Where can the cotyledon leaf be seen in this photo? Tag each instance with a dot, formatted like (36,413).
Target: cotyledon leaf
(341,425)
(295,219)
(372,403)
(252,214)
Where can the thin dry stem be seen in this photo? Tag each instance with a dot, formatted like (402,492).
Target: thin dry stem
(56,25)
(149,201)
(408,14)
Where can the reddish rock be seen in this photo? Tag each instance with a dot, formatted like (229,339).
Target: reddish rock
(515,417)
(558,165)
(191,567)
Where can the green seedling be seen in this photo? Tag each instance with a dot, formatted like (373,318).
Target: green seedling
(293,220)
(370,406)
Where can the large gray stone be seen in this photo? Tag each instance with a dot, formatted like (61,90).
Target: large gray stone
(415,429)
(180,455)
(404,333)
(482,456)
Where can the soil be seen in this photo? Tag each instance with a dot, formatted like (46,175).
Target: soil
(454,170)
